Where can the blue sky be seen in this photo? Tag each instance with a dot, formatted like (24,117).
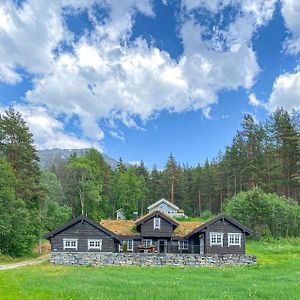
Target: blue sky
(142,79)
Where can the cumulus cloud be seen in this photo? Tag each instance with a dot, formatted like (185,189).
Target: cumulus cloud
(107,76)
(28,34)
(49,132)
(291,14)
(254,101)
(286,92)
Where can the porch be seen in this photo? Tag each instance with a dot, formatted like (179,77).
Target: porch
(163,246)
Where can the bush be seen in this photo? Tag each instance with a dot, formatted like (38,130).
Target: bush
(206,214)
(263,212)
(125,247)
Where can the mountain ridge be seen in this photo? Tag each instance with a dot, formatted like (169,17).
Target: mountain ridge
(47,156)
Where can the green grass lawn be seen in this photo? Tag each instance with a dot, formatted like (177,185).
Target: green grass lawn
(5,259)
(276,276)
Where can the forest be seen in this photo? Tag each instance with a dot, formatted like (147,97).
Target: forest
(263,159)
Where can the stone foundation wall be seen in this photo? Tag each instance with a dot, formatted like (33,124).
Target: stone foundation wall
(142,259)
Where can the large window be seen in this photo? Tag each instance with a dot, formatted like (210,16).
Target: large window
(234,239)
(147,243)
(216,239)
(70,244)
(94,244)
(156,223)
(183,245)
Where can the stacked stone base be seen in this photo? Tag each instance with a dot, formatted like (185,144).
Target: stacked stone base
(142,259)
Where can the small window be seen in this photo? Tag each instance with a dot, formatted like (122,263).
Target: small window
(95,244)
(70,244)
(183,245)
(147,243)
(234,239)
(156,223)
(216,239)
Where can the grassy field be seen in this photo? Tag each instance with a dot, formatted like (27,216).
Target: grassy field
(4,259)
(276,276)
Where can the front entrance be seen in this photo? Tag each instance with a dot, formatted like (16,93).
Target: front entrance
(201,240)
(162,246)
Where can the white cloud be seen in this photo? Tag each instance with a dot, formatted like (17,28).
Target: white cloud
(291,13)
(286,92)
(48,132)
(254,101)
(117,135)
(206,112)
(212,5)
(108,77)
(27,36)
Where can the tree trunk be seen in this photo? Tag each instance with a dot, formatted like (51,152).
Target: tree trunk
(199,202)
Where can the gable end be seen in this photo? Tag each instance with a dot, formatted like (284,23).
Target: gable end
(202,227)
(81,219)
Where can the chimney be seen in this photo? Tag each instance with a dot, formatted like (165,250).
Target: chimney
(135,215)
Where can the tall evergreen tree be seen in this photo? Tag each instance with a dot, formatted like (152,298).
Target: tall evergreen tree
(285,137)
(171,178)
(16,226)
(16,144)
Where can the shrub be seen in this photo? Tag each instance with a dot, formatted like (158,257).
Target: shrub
(206,214)
(262,212)
(125,247)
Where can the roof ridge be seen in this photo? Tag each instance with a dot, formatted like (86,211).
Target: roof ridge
(159,213)
(160,201)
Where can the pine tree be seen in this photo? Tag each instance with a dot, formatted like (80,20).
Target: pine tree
(16,226)
(285,137)
(252,134)
(16,144)
(197,190)
(208,187)
(155,187)
(171,175)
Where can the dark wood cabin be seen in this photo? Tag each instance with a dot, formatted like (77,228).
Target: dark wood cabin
(83,235)
(155,232)
(221,235)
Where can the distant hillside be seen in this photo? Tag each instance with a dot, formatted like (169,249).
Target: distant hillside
(47,156)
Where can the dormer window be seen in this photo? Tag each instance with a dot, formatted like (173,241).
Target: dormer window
(156,223)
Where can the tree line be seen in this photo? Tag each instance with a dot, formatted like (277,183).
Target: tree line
(264,155)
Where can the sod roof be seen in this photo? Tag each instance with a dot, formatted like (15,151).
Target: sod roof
(128,227)
(185,227)
(120,227)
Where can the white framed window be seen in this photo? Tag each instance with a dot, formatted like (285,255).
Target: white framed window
(95,244)
(183,245)
(234,239)
(216,239)
(156,223)
(70,244)
(129,245)
(147,243)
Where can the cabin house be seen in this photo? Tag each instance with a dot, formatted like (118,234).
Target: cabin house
(167,208)
(120,214)
(156,232)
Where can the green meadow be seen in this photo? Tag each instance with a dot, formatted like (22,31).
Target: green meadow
(276,276)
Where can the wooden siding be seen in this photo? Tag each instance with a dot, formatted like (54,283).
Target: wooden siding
(224,227)
(147,229)
(83,232)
